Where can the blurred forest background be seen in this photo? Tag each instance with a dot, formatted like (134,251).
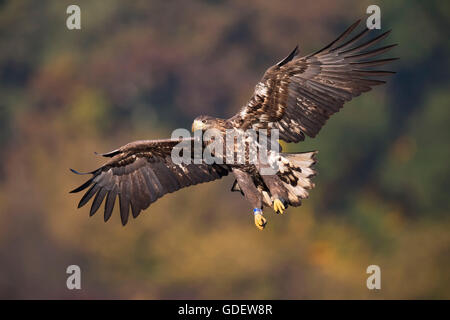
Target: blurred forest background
(138,70)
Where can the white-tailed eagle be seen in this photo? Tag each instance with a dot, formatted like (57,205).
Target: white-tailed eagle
(296,96)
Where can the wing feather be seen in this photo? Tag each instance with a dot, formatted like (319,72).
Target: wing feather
(109,203)
(299,95)
(138,174)
(98,200)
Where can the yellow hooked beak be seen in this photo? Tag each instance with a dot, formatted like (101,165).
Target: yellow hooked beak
(197,125)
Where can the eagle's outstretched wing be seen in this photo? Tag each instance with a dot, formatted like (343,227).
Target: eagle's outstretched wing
(298,94)
(139,173)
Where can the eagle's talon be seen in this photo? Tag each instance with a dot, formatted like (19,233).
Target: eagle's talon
(278,206)
(260,221)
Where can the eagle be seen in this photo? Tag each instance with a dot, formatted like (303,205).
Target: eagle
(294,98)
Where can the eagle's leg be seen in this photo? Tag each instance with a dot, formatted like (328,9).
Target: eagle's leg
(277,191)
(252,194)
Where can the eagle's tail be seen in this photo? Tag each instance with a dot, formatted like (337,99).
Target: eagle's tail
(296,171)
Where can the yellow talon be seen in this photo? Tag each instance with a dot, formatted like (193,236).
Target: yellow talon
(278,206)
(260,221)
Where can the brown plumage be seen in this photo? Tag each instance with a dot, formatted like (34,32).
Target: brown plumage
(295,96)
(299,94)
(139,173)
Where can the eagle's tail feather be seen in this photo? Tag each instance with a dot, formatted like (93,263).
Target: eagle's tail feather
(296,172)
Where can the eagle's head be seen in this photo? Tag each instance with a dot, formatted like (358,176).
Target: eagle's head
(203,123)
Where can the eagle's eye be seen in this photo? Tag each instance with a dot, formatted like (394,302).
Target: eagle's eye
(204,121)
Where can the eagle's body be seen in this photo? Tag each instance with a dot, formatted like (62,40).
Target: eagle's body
(296,97)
